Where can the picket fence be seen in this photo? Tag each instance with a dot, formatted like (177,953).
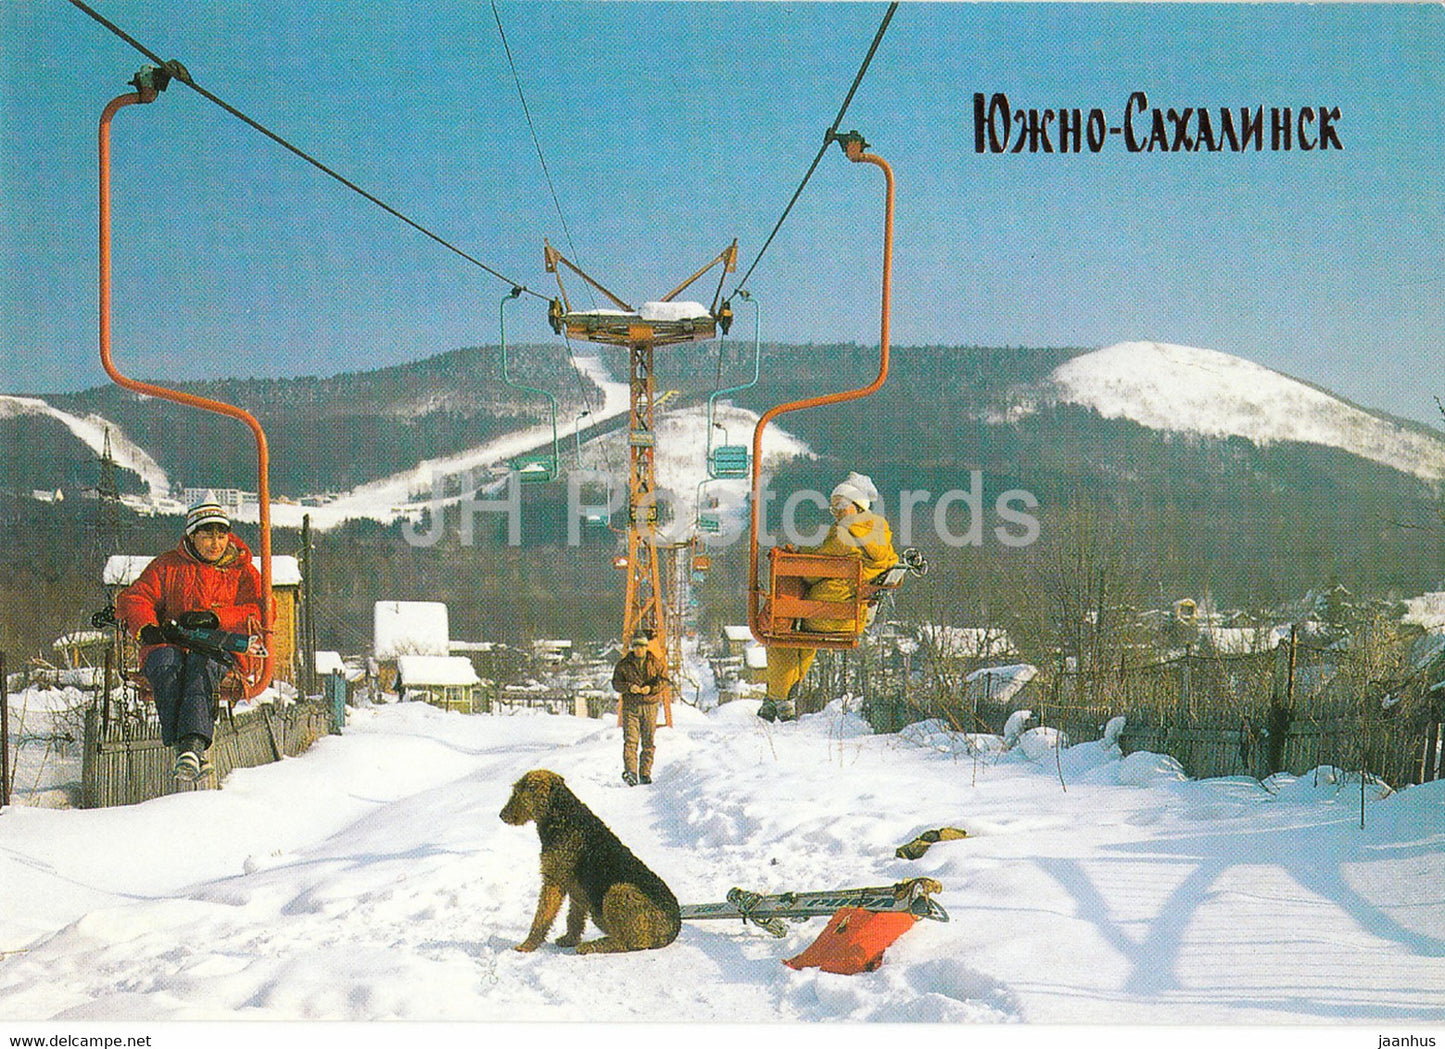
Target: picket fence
(125,762)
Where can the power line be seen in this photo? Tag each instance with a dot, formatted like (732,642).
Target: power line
(527,112)
(827,141)
(179,72)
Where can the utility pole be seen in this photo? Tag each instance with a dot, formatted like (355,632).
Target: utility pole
(108,520)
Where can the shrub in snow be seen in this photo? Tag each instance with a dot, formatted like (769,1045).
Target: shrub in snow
(937,734)
(1325,783)
(1040,743)
(1143,768)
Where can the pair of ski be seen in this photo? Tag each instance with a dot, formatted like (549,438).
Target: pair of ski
(769,911)
(221,645)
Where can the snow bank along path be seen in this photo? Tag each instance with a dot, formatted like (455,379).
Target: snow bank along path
(371,878)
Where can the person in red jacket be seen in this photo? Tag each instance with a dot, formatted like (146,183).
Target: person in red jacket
(206,583)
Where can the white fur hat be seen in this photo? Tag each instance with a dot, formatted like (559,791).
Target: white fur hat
(857,488)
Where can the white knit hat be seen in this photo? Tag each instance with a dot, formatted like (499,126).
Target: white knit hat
(857,488)
(207,510)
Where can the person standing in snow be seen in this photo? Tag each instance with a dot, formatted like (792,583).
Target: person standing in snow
(208,582)
(857,532)
(639,679)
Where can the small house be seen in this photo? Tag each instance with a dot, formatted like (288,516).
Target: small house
(755,663)
(328,662)
(407,628)
(551,652)
(82,648)
(956,642)
(736,639)
(449,682)
(993,693)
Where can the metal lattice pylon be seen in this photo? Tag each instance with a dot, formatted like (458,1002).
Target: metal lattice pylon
(645,608)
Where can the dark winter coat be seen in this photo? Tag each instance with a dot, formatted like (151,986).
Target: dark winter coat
(179,581)
(645,671)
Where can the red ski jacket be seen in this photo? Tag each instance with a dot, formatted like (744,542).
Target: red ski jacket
(179,581)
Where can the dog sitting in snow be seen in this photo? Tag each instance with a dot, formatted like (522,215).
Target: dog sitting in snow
(582,859)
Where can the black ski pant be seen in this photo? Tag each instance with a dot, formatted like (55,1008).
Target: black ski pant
(184,685)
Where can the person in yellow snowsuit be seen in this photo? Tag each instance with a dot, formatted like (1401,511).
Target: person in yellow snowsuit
(857,532)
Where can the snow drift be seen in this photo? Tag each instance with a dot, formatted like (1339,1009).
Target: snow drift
(371,879)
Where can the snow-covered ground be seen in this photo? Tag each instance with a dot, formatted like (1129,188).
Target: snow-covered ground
(371,879)
(1189,390)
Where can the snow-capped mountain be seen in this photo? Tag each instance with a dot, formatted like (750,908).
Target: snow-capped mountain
(943,408)
(1189,390)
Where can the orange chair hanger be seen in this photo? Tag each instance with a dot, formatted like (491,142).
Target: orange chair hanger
(148,83)
(775,629)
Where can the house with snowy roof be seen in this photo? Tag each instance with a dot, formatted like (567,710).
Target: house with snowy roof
(449,682)
(551,652)
(407,628)
(993,693)
(736,638)
(329,662)
(957,642)
(755,663)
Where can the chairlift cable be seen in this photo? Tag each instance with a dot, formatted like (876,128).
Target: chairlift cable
(527,112)
(827,141)
(179,72)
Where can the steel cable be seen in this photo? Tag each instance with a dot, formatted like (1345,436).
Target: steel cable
(827,141)
(178,72)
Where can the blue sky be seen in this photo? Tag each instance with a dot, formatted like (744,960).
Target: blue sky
(670,128)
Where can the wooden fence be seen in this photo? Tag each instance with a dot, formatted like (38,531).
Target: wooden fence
(1250,715)
(125,762)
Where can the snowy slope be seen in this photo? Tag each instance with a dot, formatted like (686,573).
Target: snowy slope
(371,879)
(384,499)
(680,462)
(1188,390)
(91,430)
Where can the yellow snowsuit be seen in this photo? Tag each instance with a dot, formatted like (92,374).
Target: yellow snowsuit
(869,538)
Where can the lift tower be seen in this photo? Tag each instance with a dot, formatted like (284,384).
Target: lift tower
(664,322)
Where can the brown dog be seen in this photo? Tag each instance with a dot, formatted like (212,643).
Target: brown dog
(582,859)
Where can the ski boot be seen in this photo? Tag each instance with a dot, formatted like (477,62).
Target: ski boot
(787,710)
(188,767)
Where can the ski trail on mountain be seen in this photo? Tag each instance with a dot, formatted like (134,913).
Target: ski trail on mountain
(91,430)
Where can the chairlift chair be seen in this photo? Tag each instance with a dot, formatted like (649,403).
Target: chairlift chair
(728,461)
(251,676)
(531,467)
(534,467)
(245,680)
(786,606)
(779,609)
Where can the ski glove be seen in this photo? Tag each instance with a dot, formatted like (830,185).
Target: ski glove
(200,619)
(150,634)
